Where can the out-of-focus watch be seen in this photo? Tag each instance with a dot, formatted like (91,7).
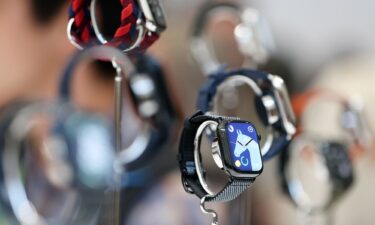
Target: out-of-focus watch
(271,101)
(253,36)
(317,172)
(51,146)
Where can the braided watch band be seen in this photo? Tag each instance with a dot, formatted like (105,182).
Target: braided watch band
(190,178)
(124,36)
(81,28)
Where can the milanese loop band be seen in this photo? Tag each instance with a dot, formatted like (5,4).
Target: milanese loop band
(357,127)
(232,190)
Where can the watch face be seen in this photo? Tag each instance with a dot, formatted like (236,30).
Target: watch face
(244,147)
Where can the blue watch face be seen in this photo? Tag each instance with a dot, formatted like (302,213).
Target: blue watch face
(244,147)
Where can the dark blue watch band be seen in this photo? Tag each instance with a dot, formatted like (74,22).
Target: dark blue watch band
(209,90)
(67,76)
(161,122)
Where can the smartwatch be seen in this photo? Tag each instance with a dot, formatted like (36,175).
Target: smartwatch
(59,164)
(332,160)
(235,150)
(326,164)
(352,118)
(252,34)
(272,98)
(149,97)
(271,101)
(152,101)
(142,21)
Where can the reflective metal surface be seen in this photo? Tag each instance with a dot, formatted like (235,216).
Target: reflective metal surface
(252,34)
(82,174)
(197,159)
(284,105)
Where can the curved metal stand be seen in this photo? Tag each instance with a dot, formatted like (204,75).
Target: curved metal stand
(213,213)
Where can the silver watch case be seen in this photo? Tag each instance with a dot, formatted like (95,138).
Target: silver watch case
(282,100)
(219,153)
(154,15)
(277,106)
(219,150)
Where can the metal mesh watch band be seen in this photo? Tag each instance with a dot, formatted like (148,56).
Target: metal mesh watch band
(190,179)
(232,190)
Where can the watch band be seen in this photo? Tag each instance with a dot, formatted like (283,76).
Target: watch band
(190,179)
(199,47)
(12,144)
(209,90)
(337,155)
(203,16)
(359,131)
(301,102)
(160,123)
(81,31)
(103,53)
(165,117)
(335,158)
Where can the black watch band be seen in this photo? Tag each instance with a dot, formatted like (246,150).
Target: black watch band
(190,178)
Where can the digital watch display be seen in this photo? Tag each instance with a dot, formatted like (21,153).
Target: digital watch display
(235,149)
(240,141)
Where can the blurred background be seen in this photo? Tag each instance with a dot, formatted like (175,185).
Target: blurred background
(329,44)
(318,43)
